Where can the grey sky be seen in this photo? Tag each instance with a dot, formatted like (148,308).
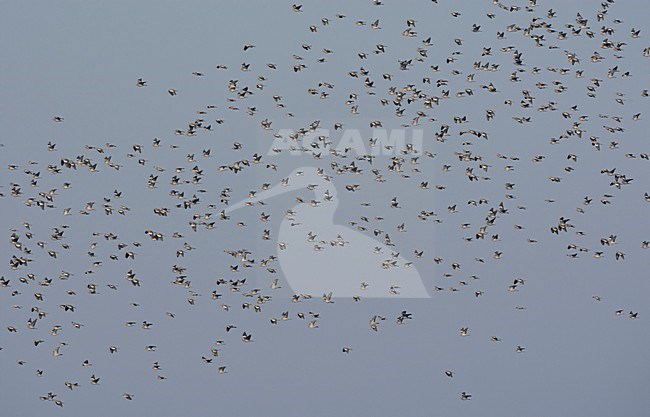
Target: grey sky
(81,61)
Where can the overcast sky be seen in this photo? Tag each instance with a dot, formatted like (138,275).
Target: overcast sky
(81,61)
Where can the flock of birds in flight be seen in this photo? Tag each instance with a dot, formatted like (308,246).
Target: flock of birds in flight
(415,102)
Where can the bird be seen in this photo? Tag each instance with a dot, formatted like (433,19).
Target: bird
(373,323)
